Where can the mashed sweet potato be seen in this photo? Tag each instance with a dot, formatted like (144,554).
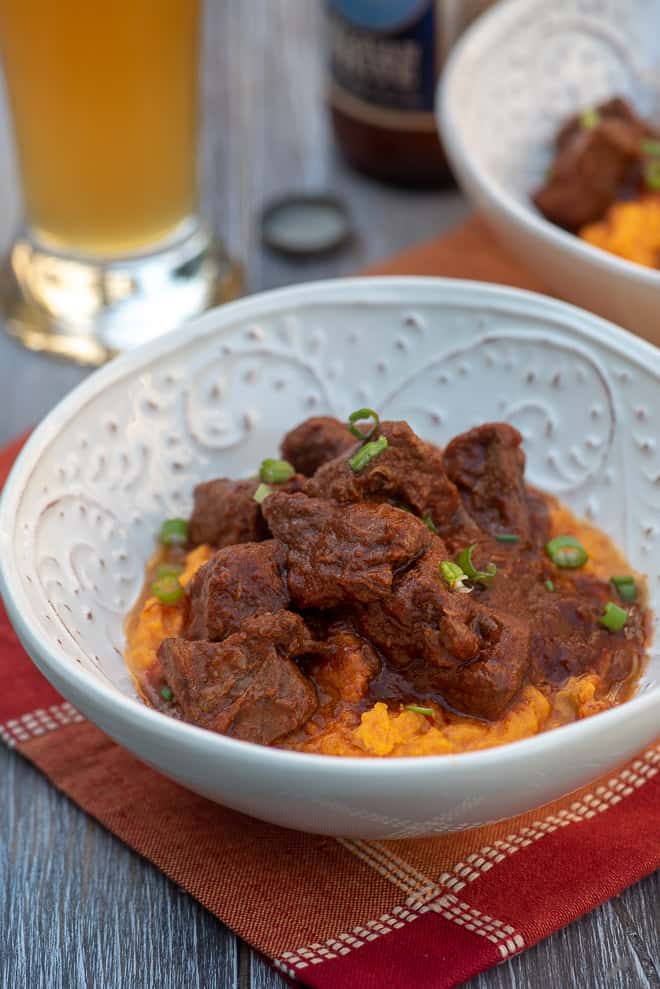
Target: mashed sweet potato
(151,621)
(383,732)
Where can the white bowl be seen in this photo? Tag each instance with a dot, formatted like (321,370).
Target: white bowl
(124,450)
(514,77)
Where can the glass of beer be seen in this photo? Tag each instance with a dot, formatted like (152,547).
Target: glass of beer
(104,100)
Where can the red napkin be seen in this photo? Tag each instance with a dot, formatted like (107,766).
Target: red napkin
(411,914)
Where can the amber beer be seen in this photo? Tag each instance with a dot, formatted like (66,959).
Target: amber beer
(104,104)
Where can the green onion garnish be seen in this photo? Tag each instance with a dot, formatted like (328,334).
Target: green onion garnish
(507,537)
(650,147)
(357,416)
(464,560)
(367,453)
(626,587)
(416,709)
(174,532)
(166,693)
(550,585)
(430,524)
(652,175)
(566,551)
(613,617)
(452,573)
(168,590)
(589,119)
(276,471)
(169,570)
(262,492)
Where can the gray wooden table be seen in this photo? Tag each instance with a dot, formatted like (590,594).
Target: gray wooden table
(77,909)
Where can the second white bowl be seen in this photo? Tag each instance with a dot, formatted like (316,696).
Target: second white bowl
(512,80)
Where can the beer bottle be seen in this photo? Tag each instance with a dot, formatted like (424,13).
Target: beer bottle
(385,57)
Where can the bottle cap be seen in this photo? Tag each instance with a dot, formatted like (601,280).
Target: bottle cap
(304,224)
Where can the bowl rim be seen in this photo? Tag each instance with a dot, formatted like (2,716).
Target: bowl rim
(448,119)
(376,290)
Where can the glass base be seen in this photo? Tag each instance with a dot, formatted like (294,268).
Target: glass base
(89,309)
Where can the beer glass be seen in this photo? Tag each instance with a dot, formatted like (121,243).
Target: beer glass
(104,101)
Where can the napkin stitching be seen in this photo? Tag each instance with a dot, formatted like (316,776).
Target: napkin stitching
(38,722)
(425,895)
(601,799)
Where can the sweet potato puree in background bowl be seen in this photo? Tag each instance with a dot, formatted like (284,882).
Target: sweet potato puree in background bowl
(124,452)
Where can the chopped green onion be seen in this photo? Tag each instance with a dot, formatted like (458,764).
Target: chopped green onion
(454,576)
(430,524)
(650,147)
(367,453)
(626,587)
(464,560)
(262,493)
(550,585)
(652,174)
(566,551)
(174,532)
(613,617)
(416,709)
(168,590)
(357,416)
(166,694)
(276,471)
(507,537)
(169,570)
(589,119)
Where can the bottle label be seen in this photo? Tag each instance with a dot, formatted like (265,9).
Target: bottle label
(383,54)
(386,55)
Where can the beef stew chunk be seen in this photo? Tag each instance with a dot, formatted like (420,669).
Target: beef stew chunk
(592,165)
(409,472)
(338,554)
(236,583)
(247,686)
(225,513)
(487,465)
(316,441)
(448,643)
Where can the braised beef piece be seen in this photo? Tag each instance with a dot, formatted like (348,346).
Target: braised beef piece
(487,466)
(448,643)
(615,109)
(314,442)
(247,686)
(344,664)
(225,513)
(409,471)
(342,553)
(568,639)
(485,685)
(591,166)
(236,583)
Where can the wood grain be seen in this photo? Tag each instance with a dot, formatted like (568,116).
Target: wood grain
(77,909)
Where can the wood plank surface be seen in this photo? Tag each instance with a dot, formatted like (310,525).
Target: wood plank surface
(77,909)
